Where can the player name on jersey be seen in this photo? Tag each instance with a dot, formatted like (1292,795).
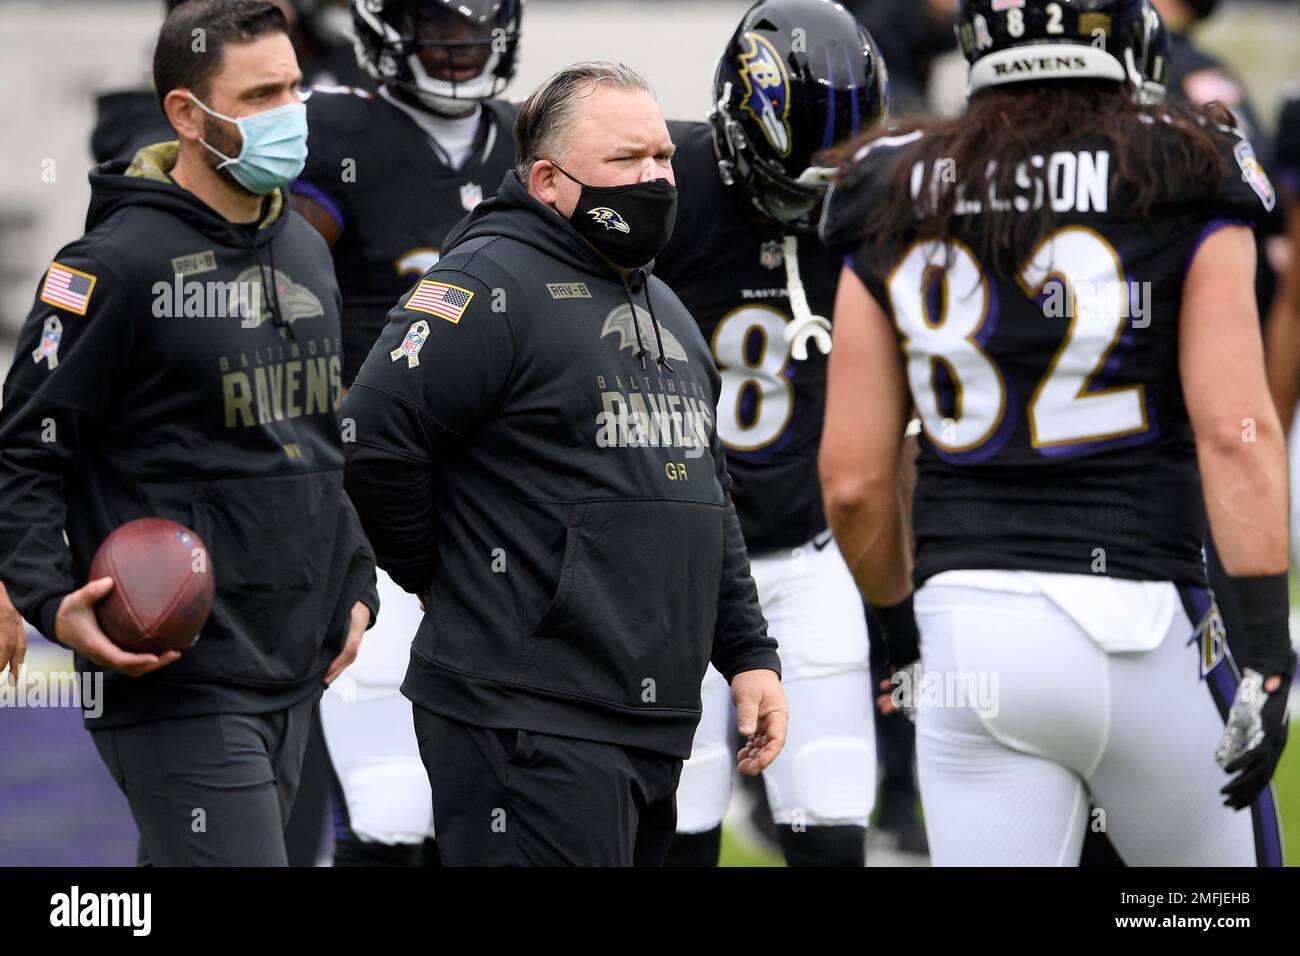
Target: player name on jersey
(1075,182)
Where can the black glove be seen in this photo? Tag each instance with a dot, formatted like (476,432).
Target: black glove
(1256,730)
(1253,739)
(898,622)
(903,643)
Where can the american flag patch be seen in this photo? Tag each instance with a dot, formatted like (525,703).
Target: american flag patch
(68,288)
(440,299)
(1000,5)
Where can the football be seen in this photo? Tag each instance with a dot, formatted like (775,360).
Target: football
(163,585)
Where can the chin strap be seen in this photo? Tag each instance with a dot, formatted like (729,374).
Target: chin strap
(805,325)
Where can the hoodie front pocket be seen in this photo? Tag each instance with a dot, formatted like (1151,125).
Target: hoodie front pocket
(266,538)
(631,621)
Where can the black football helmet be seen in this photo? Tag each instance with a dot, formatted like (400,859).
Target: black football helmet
(797,77)
(1011,41)
(472,47)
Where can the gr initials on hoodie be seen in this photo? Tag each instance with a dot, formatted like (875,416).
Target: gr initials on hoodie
(536,451)
(175,364)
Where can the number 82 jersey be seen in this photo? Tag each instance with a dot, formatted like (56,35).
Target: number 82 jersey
(1054,433)
(725,264)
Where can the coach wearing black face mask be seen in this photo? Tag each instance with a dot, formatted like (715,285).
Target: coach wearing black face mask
(536,455)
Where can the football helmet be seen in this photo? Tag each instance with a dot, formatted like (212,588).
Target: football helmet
(445,54)
(797,77)
(1011,41)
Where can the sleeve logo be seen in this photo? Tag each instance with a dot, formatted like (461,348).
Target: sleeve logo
(68,288)
(48,349)
(1253,175)
(411,345)
(438,298)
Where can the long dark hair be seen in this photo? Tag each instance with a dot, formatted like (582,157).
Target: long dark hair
(1002,128)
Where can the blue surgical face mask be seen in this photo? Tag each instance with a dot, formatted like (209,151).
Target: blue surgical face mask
(274,150)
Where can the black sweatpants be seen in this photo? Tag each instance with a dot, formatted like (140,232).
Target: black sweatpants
(213,790)
(521,798)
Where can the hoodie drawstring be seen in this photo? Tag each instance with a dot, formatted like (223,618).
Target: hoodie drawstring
(643,284)
(636,324)
(654,322)
(271,301)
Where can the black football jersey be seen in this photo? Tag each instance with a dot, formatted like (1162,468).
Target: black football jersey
(725,263)
(1055,437)
(376,171)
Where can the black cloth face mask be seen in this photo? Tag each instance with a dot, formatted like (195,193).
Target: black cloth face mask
(629,225)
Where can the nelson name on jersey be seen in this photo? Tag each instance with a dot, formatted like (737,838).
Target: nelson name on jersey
(1075,181)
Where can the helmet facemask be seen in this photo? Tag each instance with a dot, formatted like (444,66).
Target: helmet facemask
(794,204)
(445,57)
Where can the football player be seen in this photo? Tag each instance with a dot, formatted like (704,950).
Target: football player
(387,177)
(1060,282)
(796,77)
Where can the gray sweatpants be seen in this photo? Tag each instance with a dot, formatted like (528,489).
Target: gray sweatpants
(213,790)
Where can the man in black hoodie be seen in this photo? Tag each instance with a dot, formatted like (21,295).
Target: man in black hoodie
(183,360)
(536,454)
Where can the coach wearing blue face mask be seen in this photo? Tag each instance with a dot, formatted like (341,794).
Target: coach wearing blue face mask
(182,360)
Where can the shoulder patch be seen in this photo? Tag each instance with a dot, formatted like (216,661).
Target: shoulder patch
(1253,175)
(68,288)
(441,299)
(47,350)
(416,336)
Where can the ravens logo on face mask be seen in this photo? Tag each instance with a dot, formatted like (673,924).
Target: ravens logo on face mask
(608,218)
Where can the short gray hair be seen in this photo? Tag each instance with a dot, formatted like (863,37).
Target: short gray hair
(545,120)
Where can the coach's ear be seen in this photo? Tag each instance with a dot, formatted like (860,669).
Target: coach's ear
(183,114)
(543,183)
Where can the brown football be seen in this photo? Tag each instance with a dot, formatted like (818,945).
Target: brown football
(162,585)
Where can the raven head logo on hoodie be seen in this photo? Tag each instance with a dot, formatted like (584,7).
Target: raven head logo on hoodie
(251,291)
(619,321)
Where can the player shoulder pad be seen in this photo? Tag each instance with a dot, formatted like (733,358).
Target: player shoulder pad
(849,201)
(504,111)
(341,109)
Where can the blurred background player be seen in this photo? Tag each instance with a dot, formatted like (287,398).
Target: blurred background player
(1059,519)
(797,77)
(127,119)
(387,177)
(911,34)
(1196,75)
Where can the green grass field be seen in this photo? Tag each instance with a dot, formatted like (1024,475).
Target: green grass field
(1287,778)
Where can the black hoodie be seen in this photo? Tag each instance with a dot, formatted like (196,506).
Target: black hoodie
(545,467)
(128,400)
